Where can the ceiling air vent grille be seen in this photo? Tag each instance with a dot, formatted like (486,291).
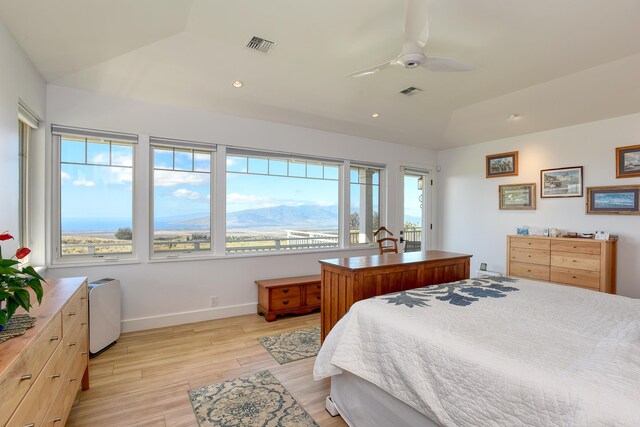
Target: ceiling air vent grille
(411,91)
(260,44)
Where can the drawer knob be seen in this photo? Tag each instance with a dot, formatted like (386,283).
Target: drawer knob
(54,338)
(72,313)
(285,302)
(25,377)
(84,353)
(528,271)
(529,243)
(57,419)
(56,375)
(573,277)
(83,297)
(72,379)
(573,260)
(83,324)
(318,287)
(574,246)
(30,425)
(72,344)
(284,291)
(529,256)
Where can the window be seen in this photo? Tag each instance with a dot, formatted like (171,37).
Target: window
(181,197)
(277,202)
(26,122)
(364,214)
(95,193)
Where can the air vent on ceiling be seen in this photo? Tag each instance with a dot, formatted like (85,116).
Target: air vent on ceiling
(260,44)
(411,91)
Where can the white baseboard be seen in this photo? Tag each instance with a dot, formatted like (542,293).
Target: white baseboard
(172,319)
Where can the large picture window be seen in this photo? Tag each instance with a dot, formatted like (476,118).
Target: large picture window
(281,203)
(364,214)
(95,193)
(181,198)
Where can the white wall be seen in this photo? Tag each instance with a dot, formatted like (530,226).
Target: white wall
(468,202)
(19,80)
(162,293)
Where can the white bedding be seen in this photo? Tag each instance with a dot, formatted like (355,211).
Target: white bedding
(477,353)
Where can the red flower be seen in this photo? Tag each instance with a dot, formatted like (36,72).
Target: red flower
(5,236)
(22,252)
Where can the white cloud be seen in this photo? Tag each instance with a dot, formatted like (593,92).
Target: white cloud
(121,176)
(100,159)
(64,176)
(183,193)
(83,182)
(172,179)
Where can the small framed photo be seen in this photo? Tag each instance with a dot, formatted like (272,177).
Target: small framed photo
(504,164)
(628,161)
(562,182)
(617,200)
(517,196)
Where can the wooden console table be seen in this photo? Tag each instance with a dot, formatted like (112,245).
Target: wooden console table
(347,280)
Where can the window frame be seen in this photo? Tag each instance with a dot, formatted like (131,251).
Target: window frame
(57,134)
(193,146)
(381,200)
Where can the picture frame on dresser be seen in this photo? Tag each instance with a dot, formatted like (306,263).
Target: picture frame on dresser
(503,164)
(561,182)
(517,196)
(613,200)
(628,161)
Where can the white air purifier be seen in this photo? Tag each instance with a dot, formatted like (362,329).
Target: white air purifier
(104,315)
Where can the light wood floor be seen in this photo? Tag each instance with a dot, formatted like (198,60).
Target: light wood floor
(143,379)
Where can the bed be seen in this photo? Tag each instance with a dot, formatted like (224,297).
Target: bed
(498,351)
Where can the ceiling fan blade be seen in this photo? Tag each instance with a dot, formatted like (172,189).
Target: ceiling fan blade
(371,70)
(416,25)
(437,64)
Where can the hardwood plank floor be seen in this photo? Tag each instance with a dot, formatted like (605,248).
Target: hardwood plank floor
(143,380)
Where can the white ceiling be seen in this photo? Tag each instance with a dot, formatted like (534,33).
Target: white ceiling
(556,63)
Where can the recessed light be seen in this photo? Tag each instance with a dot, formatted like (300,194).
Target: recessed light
(375,115)
(238,84)
(514,116)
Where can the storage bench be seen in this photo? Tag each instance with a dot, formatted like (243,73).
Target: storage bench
(289,295)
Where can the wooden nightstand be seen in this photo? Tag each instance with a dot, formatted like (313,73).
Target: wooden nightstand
(290,295)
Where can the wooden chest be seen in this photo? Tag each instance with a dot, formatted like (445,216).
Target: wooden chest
(291,295)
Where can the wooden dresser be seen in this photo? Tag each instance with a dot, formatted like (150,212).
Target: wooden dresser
(585,263)
(291,295)
(347,280)
(40,371)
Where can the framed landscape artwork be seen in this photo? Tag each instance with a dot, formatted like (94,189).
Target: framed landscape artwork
(503,164)
(617,200)
(562,182)
(628,161)
(517,196)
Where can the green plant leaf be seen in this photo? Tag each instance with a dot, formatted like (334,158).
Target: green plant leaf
(4,294)
(23,298)
(3,318)
(8,262)
(32,272)
(37,288)
(12,306)
(9,271)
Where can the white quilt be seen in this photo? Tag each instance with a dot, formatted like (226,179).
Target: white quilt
(497,353)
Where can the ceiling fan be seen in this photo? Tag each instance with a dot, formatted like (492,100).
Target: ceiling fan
(413,53)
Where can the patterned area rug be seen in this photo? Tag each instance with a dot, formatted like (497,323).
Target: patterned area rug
(16,326)
(254,400)
(292,346)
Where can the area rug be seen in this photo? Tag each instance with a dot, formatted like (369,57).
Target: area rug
(291,346)
(255,400)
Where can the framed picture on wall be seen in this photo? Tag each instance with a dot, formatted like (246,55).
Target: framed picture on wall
(628,161)
(562,182)
(517,196)
(503,164)
(616,200)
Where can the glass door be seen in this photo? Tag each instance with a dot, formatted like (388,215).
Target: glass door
(415,221)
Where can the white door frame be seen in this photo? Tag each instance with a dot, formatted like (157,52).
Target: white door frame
(427,207)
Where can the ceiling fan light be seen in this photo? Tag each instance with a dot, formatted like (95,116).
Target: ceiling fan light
(375,115)
(238,84)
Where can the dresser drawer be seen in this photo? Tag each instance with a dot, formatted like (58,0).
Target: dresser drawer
(35,404)
(575,260)
(72,309)
(313,289)
(531,271)
(284,303)
(576,247)
(572,276)
(58,412)
(16,383)
(533,256)
(529,243)
(284,292)
(76,333)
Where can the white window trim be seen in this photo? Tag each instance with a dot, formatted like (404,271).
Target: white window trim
(172,143)
(56,230)
(428,208)
(382,211)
